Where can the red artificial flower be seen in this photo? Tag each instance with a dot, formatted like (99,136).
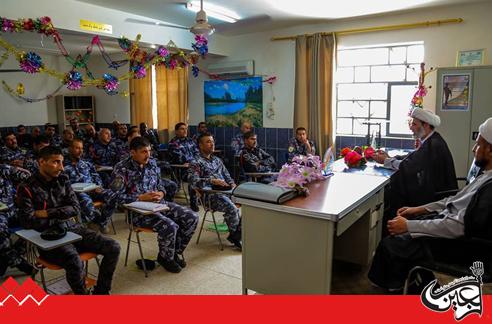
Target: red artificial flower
(345,151)
(28,24)
(369,153)
(353,159)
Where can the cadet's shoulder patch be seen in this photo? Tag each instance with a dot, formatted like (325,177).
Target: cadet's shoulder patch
(291,149)
(117,184)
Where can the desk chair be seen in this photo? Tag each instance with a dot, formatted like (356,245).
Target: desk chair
(177,173)
(206,204)
(40,264)
(137,230)
(254,176)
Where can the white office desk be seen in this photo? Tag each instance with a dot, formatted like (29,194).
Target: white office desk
(289,248)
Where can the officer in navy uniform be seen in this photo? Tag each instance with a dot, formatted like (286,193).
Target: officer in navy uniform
(10,254)
(300,144)
(83,171)
(104,153)
(207,171)
(77,131)
(121,139)
(137,178)
(150,135)
(237,142)
(11,153)
(50,132)
(255,159)
(201,129)
(31,161)
(47,199)
(68,136)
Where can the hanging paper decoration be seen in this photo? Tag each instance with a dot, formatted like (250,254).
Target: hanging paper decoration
(111,84)
(30,62)
(195,70)
(16,95)
(201,45)
(418,97)
(74,80)
(140,60)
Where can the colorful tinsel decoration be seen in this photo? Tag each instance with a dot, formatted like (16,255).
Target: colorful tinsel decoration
(74,80)
(418,97)
(201,45)
(111,84)
(139,71)
(30,62)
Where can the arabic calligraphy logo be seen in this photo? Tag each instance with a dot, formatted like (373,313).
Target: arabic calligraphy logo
(464,294)
(11,291)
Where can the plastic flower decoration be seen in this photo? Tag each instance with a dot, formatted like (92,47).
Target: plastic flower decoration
(302,170)
(30,62)
(201,45)
(195,70)
(74,80)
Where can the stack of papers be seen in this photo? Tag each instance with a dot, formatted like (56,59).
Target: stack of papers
(147,206)
(84,187)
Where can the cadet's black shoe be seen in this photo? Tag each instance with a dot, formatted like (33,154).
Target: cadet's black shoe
(235,238)
(194,206)
(180,260)
(3,267)
(169,265)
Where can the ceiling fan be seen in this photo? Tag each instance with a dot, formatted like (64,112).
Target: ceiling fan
(201,26)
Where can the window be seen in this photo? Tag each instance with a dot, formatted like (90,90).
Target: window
(374,85)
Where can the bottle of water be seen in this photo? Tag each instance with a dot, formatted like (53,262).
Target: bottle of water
(328,160)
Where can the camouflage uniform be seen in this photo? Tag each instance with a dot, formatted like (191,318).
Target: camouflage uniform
(56,140)
(182,150)
(8,218)
(31,161)
(200,174)
(297,148)
(89,147)
(152,137)
(237,143)
(170,186)
(84,172)
(61,204)
(79,133)
(121,148)
(257,160)
(174,227)
(104,155)
(7,155)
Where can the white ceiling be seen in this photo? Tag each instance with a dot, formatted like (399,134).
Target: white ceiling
(262,15)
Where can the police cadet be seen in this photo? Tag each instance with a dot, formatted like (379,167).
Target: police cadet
(182,149)
(201,129)
(75,126)
(46,199)
(149,134)
(255,159)
(11,153)
(121,139)
(89,140)
(238,140)
(300,144)
(68,136)
(208,170)
(49,131)
(104,153)
(31,161)
(10,255)
(136,178)
(83,171)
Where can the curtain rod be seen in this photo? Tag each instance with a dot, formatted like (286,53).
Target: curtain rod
(380,28)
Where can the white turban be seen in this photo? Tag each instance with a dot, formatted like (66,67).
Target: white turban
(486,130)
(426,116)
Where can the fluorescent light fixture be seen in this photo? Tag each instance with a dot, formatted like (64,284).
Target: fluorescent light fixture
(214,11)
(342,9)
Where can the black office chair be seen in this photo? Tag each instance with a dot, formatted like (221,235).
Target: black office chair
(473,173)
(476,245)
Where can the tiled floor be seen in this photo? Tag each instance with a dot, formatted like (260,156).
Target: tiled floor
(209,271)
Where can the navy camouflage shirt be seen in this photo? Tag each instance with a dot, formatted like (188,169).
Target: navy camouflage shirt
(203,170)
(182,150)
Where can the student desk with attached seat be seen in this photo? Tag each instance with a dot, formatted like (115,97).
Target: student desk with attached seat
(289,248)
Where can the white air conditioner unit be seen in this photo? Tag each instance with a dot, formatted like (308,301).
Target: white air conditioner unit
(233,68)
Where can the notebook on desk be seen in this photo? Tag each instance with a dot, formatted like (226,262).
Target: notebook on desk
(84,187)
(264,192)
(147,206)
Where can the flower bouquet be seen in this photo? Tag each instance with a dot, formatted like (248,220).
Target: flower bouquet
(300,172)
(358,156)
